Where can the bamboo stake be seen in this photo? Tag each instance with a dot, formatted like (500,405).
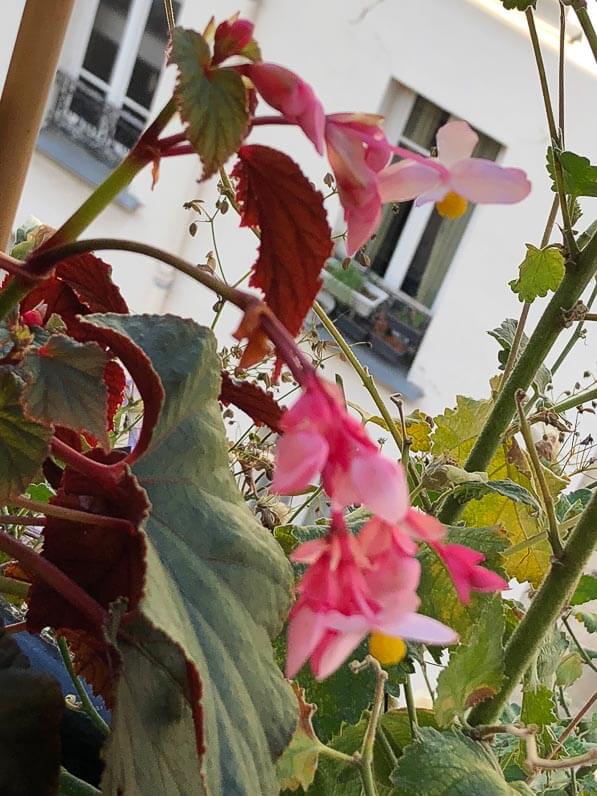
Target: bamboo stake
(30,75)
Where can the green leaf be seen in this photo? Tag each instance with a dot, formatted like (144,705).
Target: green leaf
(31,708)
(297,766)
(504,334)
(585,591)
(436,590)
(541,270)
(23,443)
(338,779)
(476,670)
(450,764)
(589,620)
(65,386)
(580,176)
(211,101)
(569,670)
(538,706)
(457,429)
(199,686)
(475,490)
(519,5)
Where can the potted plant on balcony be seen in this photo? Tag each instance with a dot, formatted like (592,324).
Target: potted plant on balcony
(347,281)
(386,342)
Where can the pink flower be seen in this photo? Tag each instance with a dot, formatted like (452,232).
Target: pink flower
(291,96)
(453,177)
(357,150)
(344,596)
(233,37)
(320,437)
(462,564)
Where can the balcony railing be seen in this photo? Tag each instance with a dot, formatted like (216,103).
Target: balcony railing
(81,111)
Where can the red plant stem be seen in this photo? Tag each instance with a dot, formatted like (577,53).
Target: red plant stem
(108,474)
(298,363)
(16,627)
(15,267)
(53,577)
(25,519)
(68,514)
(183,149)
(168,141)
(270,120)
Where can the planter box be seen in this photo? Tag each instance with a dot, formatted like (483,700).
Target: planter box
(363,305)
(352,328)
(387,351)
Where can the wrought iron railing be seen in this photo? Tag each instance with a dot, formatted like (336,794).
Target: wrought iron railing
(80,111)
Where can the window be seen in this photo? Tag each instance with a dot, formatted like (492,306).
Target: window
(106,104)
(414,247)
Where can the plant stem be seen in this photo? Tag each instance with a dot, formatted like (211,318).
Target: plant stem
(305,504)
(575,334)
(578,645)
(411,709)
(86,702)
(580,9)
(562,75)
(369,384)
(577,399)
(574,722)
(69,785)
(577,277)
(516,342)
(553,132)
(54,578)
(170,20)
(22,519)
(18,588)
(366,756)
(552,522)
(66,513)
(546,607)
(334,754)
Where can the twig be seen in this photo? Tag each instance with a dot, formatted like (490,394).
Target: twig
(578,645)
(65,513)
(366,756)
(22,519)
(411,709)
(562,75)
(86,702)
(552,522)
(305,504)
(406,440)
(575,334)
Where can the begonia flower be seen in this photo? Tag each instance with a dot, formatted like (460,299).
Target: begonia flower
(291,96)
(454,178)
(462,564)
(344,597)
(320,437)
(232,37)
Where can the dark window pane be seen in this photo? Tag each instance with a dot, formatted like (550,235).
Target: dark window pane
(108,28)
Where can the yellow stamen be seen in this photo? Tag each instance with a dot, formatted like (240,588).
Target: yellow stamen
(452,205)
(387,649)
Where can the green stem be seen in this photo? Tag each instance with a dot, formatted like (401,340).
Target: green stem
(411,708)
(369,384)
(544,610)
(579,646)
(17,588)
(577,399)
(580,9)
(86,702)
(69,785)
(552,522)
(141,154)
(578,275)
(575,336)
(334,754)
(305,504)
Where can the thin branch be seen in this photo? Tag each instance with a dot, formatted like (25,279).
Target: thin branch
(22,519)
(86,702)
(576,334)
(580,9)
(577,399)
(562,75)
(572,725)
(170,19)
(411,709)
(578,645)
(366,757)
(65,513)
(552,522)
(513,355)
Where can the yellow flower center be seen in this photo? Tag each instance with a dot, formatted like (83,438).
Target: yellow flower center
(452,205)
(387,649)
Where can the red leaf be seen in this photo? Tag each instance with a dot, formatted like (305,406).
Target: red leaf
(61,300)
(115,380)
(93,660)
(255,402)
(91,280)
(276,196)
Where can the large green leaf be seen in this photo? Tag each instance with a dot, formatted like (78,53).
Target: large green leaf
(505,334)
(216,591)
(65,385)
(541,271)
(450,764)
(23,443)
(457,429)
(580,175)
(538,706)
(475,490)
(436,590)
(476,670)
(31,707)
(585,591)
(212,101)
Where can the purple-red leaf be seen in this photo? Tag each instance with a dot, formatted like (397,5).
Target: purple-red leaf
(252,400)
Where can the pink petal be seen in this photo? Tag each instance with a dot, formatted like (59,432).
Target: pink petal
(300,457)
(361,224)
(309,552)
(406,180)
(305,631)
(381,485)
(333,652)
(417,627)
(424,526)
(455,140)
(484,182)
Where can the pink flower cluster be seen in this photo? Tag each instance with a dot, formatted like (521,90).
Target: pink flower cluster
(364,583)
(360,154)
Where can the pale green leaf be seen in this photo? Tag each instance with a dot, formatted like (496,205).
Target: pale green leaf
(541,271)
(585,591)
(65,386)
(450,764)
(504,334)
(457,429)
(580,175)
(476,670)
(23,443)
(211,101)
(217,589)
(298,764)
(569,670)
(538,706)
(475,490)
(589,620)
